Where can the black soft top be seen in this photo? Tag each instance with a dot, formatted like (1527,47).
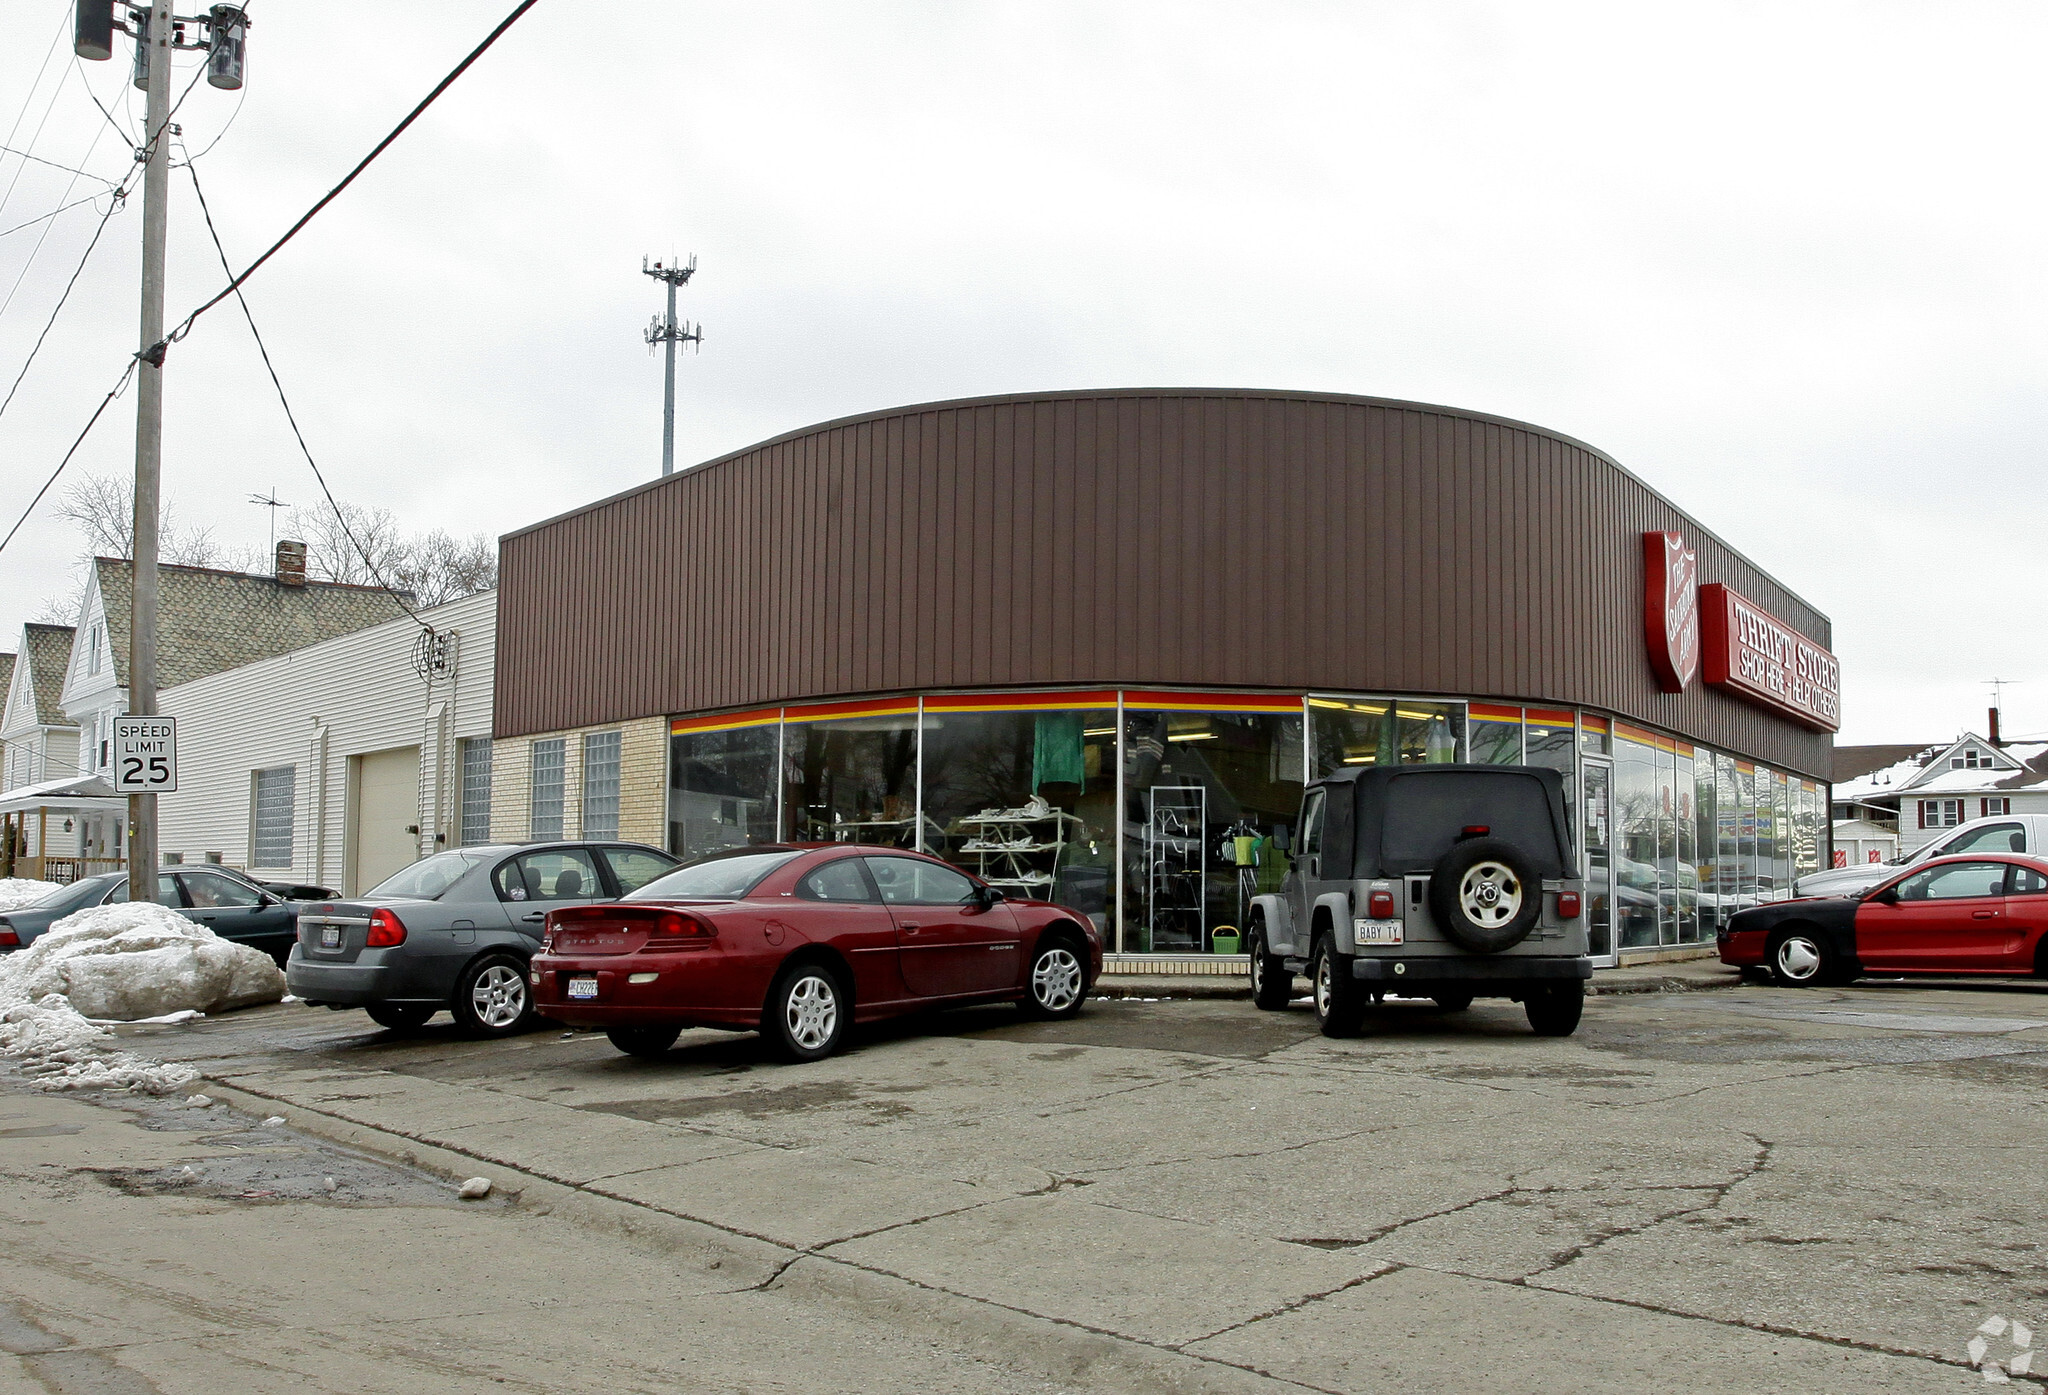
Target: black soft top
(1403,818)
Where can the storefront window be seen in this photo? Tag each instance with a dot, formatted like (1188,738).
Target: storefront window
(1593,734)
(1687,902)
(1207,778)
(1806,849)
(1385,731)
(1494,734)
(1548,740)
(1020,790)
(1637,788)
(1707,840)
(1781,860)
(1746,885)
(721,781)
(849,773)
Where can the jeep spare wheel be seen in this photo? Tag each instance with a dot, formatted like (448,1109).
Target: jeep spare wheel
(1485,895)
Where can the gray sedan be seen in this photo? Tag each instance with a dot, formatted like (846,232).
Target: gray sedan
(455,931)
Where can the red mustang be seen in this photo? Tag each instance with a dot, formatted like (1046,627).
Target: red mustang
(1985,913)
(800,941)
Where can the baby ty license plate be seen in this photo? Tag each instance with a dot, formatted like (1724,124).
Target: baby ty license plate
(1375,932)
(583,988)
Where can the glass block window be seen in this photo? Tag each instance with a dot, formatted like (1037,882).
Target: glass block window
(601,785)
(476,791)
(544,808)
(275,804)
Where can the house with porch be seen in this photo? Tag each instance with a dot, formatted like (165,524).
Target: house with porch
(208,621)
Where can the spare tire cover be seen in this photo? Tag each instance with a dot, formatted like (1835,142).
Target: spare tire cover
(1485,895)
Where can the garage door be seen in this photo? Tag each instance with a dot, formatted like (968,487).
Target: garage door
(385,800)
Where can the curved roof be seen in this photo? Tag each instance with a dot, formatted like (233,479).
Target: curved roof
(1175,537)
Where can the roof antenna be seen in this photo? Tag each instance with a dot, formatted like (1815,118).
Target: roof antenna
(273,503)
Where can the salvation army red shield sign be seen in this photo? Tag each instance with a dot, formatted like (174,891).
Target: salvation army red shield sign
(1671,609)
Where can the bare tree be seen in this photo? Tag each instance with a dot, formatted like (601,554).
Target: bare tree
(103,508)
(434,567)
(356,546)
(440,567)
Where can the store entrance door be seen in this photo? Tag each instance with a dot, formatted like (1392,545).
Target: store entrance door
(1597,838)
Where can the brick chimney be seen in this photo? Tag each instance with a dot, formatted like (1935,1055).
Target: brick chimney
(1996,740)
(291,563)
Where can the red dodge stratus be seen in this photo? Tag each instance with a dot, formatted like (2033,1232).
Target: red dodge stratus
(1985,913)
(799,941)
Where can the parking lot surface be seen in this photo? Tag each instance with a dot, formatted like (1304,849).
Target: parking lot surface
(1738,1190)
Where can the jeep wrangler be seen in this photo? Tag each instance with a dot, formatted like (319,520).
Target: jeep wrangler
(1450,882)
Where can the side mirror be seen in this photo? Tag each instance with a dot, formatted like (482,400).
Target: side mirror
(987,896)
(1888,897)
(1283,837)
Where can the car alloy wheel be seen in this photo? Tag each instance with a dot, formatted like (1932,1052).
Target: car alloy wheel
(810,1011)
(491,998)
(498,996)
(1490,894)
(1057,984)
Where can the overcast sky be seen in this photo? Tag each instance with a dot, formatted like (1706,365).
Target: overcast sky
(1784,262)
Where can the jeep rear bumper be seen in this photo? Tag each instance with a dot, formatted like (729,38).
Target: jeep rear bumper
(1393,972)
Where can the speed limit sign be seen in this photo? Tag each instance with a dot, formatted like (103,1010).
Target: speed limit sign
(145,755)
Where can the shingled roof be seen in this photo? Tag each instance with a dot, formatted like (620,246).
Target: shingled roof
(6,672)
(209,621)
(46,649)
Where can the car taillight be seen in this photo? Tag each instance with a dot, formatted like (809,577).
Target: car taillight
(8,939)
(1568,904)
(1380,905)
(386,930)
(674,925)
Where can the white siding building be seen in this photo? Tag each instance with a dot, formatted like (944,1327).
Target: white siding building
(1939,787)
(38,743)
(341,762)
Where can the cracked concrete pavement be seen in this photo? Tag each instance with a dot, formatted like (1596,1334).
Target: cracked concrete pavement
(1749,1189)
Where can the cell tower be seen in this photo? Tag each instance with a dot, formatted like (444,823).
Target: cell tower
(668,330)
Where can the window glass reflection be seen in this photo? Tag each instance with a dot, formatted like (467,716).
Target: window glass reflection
(1024,797)
(1385,731)
(1203,792)
(851,776)
(1494,734)
(721,785)
(1636,881)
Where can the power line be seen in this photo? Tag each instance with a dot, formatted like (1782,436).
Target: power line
(120,198)
(10,150)
(91,421)
(397,597)
(45,217)
(28,98)
(235,283)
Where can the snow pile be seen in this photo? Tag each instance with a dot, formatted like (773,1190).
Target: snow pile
(119,963)
(16,892)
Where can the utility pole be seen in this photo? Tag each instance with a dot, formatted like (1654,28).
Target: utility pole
(153,50)
(158,34)
(666,329)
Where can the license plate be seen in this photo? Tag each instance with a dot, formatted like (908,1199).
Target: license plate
(583,988)
(1375,932)
(330,937)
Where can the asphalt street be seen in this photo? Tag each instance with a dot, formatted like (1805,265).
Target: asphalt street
(1745,1189)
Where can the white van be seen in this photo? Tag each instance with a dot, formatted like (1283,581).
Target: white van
(2020,833)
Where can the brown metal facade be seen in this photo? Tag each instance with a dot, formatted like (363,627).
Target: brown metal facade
(1157,537)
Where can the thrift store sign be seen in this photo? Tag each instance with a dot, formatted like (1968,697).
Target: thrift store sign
(1751,654)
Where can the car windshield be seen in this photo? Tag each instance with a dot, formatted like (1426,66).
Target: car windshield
(426,879)
(716,877)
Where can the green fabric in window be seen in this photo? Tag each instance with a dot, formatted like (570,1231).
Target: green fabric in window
(1056,751)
